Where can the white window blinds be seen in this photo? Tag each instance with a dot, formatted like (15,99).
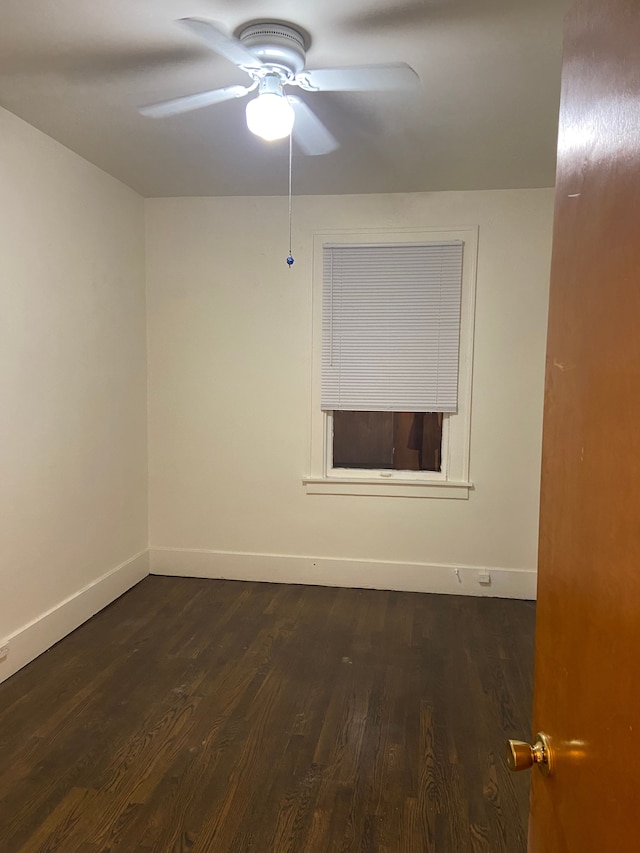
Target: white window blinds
(391,326)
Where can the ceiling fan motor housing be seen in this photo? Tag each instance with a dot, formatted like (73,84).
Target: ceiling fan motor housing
(276,45)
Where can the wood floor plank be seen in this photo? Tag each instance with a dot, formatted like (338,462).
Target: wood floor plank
(193,716)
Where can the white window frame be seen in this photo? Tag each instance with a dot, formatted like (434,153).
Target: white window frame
(453,480)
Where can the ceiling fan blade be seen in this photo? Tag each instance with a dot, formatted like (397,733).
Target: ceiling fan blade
(194,102)
(223,43)
(363,78)
(309,133)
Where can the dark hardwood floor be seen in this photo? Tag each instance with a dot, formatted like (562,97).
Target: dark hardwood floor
(213,716)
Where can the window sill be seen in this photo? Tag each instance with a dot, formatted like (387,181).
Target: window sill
(395,488)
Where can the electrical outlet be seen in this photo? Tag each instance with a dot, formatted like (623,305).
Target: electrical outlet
(484,578)
(4,651)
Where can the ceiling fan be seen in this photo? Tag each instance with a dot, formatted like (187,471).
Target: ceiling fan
(274,55)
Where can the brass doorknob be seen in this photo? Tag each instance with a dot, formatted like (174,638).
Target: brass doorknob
(522,756)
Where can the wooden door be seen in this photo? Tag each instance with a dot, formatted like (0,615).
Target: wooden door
(587,683)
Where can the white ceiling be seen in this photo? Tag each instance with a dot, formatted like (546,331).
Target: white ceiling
(485,116)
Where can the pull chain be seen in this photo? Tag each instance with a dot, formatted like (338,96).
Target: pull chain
(290,256)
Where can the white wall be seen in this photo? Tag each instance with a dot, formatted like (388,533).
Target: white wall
(73,390)
(229,330)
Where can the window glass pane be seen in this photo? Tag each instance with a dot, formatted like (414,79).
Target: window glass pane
(401,441)
(363,439)
(417,441)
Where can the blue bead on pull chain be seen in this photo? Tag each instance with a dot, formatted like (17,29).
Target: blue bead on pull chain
(290,261)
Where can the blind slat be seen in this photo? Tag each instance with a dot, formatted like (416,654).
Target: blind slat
(391,326)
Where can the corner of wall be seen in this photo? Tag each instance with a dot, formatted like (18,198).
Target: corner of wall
(34,638)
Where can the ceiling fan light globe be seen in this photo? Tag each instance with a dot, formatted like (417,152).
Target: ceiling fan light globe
(270,116)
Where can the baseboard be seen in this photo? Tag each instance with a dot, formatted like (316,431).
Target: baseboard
(323,571)
(41,633)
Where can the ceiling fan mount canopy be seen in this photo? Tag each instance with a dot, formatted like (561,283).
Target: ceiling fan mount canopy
(277,46)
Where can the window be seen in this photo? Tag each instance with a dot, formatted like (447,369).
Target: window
(398,441)
(393,334)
